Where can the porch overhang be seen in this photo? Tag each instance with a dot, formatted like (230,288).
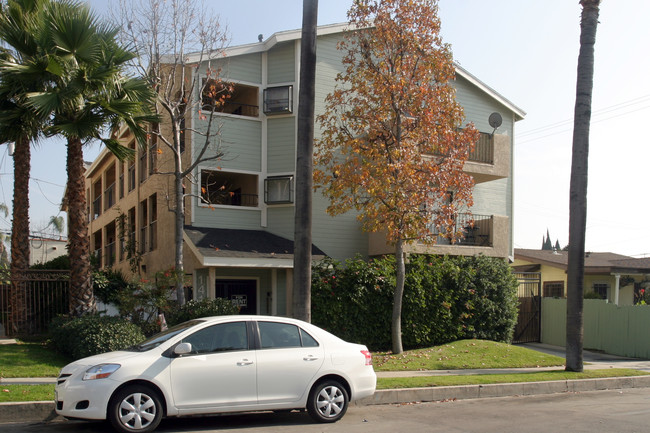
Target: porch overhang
(234,248)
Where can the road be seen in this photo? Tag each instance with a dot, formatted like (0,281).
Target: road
(621,411)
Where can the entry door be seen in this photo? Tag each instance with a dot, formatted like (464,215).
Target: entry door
(242,293)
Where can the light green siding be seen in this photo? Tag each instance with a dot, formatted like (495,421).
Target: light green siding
(478,106)
(246,68)
(234,217)
(281,148)
(239,138)
(327,67)
(281,63)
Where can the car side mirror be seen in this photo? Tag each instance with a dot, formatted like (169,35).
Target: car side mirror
(183,349)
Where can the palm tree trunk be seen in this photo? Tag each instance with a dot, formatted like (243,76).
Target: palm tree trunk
(20,237)
(400,270)
(82,300)
(305,165)
(578,189)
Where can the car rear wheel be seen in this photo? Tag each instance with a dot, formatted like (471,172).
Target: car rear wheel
(135,409)
(328,401)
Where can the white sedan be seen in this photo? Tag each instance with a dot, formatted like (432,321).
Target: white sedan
(218,364)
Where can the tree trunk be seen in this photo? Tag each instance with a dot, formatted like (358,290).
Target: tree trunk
(578,189)
(305,165)
(20,237)
(400,269)
(179,215)
(82,300)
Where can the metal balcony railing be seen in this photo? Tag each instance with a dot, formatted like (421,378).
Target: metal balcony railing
(475,229)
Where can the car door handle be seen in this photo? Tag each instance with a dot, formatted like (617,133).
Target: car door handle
(244,362)
(309,358)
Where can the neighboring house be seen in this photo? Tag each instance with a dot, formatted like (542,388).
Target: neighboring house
(43,249)
(242,248)
(610,276)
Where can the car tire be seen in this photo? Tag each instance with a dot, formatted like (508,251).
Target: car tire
(135,409)
(328,401)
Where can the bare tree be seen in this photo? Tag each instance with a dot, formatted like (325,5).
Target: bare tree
(305,164)
(178,43)
(578,189)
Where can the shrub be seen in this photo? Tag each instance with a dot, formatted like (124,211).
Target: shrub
(445,299)
(107,285)
(93,334)
(203,308)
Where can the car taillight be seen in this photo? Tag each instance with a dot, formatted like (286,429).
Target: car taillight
(368,356)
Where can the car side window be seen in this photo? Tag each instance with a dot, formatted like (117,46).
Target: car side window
(307,340)
(219,338)
(278,335)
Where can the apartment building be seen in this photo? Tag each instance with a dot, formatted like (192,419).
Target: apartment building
(240,245)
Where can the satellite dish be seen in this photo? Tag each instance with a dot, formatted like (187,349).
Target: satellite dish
(495,120)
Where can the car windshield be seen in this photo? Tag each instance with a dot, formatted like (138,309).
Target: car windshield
(158,339)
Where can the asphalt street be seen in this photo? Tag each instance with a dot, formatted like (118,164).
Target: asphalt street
(621,411)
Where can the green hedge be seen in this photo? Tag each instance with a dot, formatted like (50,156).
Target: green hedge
(93,334)
(203,308)
(445,299)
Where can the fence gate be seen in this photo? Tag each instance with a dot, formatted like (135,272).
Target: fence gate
(528,329)
(45,295)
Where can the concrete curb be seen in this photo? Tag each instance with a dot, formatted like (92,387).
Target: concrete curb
(442,393)
(43,411)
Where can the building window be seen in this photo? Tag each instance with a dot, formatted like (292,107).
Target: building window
(553,289)
(153,219)
(143,226)
(229,189)
(601,289)
(143,165)
(278,100)
(278,190)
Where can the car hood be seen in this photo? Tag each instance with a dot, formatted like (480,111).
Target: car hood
(118,357)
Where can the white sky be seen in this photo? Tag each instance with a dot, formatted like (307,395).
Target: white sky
(527,51)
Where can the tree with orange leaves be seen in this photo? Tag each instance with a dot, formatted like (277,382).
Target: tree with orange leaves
(392,147)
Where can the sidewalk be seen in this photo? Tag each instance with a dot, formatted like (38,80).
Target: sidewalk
(44,411)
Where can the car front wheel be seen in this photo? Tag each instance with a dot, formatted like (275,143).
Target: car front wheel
(135,409)
(328,401)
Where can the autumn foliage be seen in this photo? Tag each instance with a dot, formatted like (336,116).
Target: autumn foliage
(392,146)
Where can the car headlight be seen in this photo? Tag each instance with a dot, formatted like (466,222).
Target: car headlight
(100,371)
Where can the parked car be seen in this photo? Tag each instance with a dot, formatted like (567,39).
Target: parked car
(215,365)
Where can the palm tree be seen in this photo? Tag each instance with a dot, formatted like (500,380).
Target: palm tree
(578,189)
(19,31)
(304,165)
(90,92)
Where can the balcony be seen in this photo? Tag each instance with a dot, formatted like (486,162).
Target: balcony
(228,189)
(490,159)
(97,207)
(483,234)
(109,197)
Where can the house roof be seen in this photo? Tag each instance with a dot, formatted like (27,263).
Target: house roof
(242,248)
(292,35)
(595,263)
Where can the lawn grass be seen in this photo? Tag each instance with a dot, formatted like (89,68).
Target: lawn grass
(18,393)
(465,354)
(30,360)
(483,379)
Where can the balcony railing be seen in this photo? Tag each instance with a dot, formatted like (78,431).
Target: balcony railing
(475,229)
(110,254)
(109,196)
(153,236)
(97,207)
(234,199)
(484,150)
